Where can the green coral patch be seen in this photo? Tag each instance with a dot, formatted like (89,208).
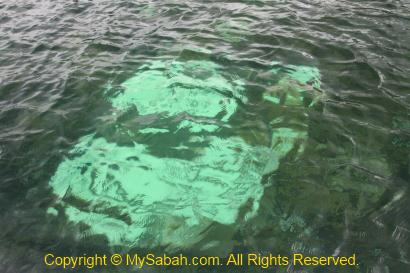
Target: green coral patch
(211,187)
(178,172)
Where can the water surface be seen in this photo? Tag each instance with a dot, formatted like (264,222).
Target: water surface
(62,64)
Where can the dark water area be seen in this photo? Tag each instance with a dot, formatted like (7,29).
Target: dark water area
(346,192)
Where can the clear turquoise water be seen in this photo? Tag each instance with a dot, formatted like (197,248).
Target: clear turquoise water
(205,128)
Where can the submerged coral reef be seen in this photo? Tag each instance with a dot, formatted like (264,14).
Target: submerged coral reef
(184,165)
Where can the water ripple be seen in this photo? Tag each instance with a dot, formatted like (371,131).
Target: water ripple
(347,191)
